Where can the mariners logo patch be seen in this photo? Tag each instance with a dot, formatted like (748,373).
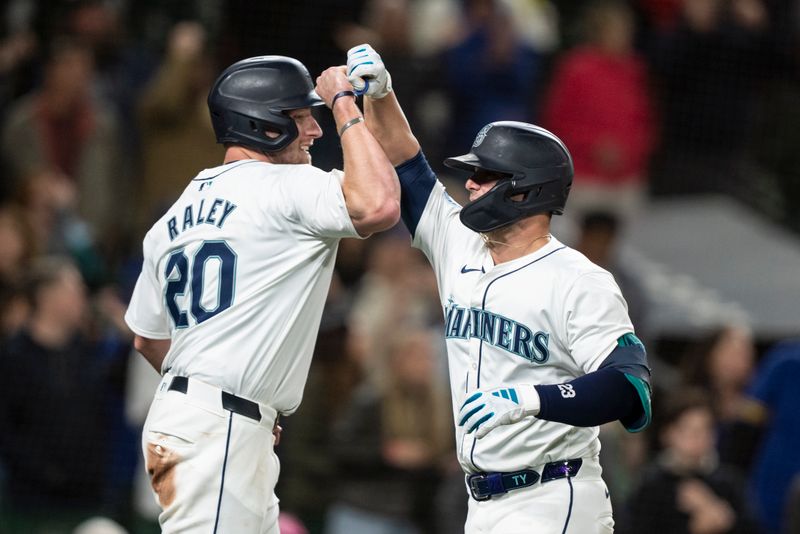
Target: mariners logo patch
(481,135)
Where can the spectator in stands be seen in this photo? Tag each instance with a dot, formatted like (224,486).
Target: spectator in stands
(61,128)
(390,26)
(397,289)
(723,363)
(122,65)
(727,367)
(54,429)
(536,23)
(687,490)
(775,398)
(177,138)
(17,56)
(599,103)
(49,205)
(16,242)
(489,75)
(599,241)
(390,442)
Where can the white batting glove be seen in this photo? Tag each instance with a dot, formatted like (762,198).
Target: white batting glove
(367,73)
(486,409)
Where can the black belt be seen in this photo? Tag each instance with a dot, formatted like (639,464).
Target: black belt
(483,486)
(230,401)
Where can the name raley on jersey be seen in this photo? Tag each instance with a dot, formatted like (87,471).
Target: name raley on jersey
(210,217)
(499,331)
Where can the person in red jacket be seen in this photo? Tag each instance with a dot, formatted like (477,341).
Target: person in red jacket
(600,105)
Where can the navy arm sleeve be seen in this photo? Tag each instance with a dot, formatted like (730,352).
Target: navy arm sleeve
(416,183)
(618,390)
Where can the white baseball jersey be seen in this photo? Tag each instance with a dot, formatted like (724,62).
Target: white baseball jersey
(236,274)
(545,318)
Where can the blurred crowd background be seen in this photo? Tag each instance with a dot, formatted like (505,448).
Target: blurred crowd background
(664,104)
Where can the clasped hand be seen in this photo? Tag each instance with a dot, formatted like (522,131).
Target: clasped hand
(486,409)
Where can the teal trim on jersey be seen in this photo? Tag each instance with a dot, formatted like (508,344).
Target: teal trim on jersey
(643,389)
(629,340)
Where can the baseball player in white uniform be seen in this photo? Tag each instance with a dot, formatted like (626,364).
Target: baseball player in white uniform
(231,292)
(540,347)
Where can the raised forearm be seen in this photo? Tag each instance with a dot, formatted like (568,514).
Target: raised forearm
(370,186)
(387,122)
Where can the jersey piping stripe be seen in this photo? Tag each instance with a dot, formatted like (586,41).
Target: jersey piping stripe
(486,294)
(226,170)
(464,435)
(224,465)
(480,347)
(569,510)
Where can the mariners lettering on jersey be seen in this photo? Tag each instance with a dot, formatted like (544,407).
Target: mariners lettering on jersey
(498,331)
(201,214)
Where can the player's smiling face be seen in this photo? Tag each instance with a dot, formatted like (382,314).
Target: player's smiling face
(480,182)
(298,151)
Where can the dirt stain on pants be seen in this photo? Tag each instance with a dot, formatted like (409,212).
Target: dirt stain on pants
(161,463)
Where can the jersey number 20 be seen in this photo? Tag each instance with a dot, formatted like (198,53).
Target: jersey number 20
(194,271)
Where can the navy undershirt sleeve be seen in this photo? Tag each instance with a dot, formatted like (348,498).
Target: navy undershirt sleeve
(416,183)
(594,399)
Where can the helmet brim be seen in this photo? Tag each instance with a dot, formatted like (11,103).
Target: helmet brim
(312,99)
(469,162)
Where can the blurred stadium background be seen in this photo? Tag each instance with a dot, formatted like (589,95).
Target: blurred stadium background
(683,117)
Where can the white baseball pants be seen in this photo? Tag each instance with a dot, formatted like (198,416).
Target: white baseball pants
(211,470)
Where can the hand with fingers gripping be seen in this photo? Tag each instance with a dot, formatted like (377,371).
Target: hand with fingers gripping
(486,409)
(367,73)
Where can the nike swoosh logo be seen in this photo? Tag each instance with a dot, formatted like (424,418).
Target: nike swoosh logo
(464,270)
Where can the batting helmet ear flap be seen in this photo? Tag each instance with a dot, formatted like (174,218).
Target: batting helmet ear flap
(251,131)
(497,207)
(486,214)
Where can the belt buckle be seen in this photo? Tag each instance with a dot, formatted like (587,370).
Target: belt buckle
(479,487)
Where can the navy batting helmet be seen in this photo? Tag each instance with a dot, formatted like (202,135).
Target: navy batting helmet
(533,161)
(252,96)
